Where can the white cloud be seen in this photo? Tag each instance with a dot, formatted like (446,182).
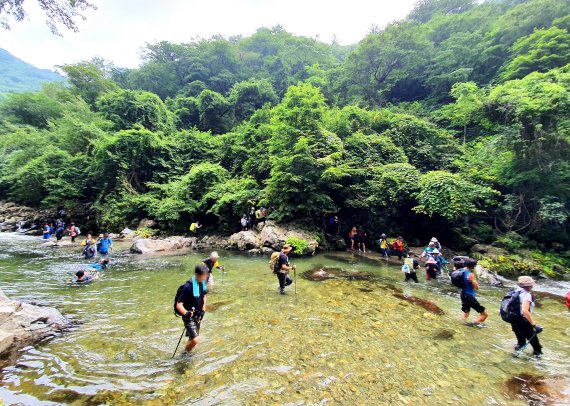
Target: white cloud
(119,28)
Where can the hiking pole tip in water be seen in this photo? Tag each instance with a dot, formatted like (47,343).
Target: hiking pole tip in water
(179,341)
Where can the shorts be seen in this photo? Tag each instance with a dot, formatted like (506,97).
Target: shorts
(469,302)
(192,327)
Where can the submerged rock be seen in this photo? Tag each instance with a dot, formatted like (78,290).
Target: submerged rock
(443,334)
(57,244)
(212,307)
(536,390)
(426,304)
(22,324)
(321,274)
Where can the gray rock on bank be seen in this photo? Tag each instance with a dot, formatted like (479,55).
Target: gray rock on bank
(272,236)
(22,324)
(148,245)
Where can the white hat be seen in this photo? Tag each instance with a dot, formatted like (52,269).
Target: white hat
(214,254)
(434,239)
(526,281)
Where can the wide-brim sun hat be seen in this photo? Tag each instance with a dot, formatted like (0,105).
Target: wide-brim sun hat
(431,261)
(215,254)
(525,281)
(433,240)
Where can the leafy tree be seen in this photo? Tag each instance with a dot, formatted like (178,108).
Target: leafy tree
(539,52)
(393,185)
(449,196)
(35,109)
(249,96)
(215,112)
(57,12)
(129,108)
(89,80)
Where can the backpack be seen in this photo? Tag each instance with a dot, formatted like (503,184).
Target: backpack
(77,230)
(178,296)
(193,227)
(510,310)
(458,278)
(406,268)
(273,261)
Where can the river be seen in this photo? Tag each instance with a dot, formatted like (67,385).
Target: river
(337,341)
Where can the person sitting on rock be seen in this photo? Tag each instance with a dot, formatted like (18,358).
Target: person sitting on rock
(85,277)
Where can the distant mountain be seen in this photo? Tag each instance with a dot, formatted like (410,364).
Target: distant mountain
(19,76)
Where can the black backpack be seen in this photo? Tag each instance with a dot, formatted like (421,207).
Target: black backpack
(176,313)
(510,310)
(458,278)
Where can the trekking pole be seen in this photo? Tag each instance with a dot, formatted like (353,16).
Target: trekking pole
(179,341)
(520,350)
(295,276)
(222,276)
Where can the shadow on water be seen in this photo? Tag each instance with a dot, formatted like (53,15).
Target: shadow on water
(536,390)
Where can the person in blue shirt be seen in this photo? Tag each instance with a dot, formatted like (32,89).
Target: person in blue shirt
(84,277)
(468,293)
(102,265)
(104,245)
(46,232)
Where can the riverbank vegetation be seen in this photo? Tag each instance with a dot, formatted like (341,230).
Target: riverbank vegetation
(451,122)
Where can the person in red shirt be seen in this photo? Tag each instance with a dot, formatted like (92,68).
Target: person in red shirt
(398,248)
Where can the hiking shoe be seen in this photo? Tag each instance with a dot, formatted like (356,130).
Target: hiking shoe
(282,291)
(518,347)
(479,325)
(537,355)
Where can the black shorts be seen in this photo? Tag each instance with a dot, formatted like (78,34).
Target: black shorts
(469,302)
(192,327)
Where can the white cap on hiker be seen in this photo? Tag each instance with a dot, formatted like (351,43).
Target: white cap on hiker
(526,281)
(214,254)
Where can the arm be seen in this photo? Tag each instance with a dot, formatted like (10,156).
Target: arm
(181,310)
(526,312)
(205,301)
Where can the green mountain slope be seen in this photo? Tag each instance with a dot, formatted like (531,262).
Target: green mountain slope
(19,76)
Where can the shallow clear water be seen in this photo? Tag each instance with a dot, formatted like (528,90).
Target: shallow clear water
(336,341)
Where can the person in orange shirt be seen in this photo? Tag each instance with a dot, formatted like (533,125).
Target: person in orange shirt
(398,248)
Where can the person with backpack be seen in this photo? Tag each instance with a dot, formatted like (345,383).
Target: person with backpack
(516,309)
(104,245)
(465,279)
(89,250)
(73,231)
(212,262)
(194,227)
(190,303)
(46,231)
(428,250)
(398,247)
(384,246)
(411,264)
(439,259)
(282,268)
(436,243)
(60,230)
(431,269)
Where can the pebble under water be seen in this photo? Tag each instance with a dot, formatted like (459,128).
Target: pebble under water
(347,340)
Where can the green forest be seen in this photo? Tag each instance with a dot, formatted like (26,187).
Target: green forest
(452,122)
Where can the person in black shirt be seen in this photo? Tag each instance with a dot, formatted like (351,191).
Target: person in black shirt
(212,262)
(282,268)
(191,305)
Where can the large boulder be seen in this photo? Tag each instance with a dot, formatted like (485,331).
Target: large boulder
(244,241)
(275,235)
(147,223)
(147,245)
(22,324)
(488,250)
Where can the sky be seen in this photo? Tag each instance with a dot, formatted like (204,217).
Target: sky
(118,29)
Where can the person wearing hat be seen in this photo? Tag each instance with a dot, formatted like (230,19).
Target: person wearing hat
(431,269)
(441,261)
(384,246)
(428,251)
(526,328)
(468,293)
(436,243)
(282,268)
(212,262)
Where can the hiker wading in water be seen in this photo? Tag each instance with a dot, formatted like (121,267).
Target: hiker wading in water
(525,328)
(468,292)
(191,305)
(212,262)
(282,268)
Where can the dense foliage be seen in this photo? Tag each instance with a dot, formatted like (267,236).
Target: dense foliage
(455,119)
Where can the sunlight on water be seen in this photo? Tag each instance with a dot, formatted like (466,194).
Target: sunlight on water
(339,340)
